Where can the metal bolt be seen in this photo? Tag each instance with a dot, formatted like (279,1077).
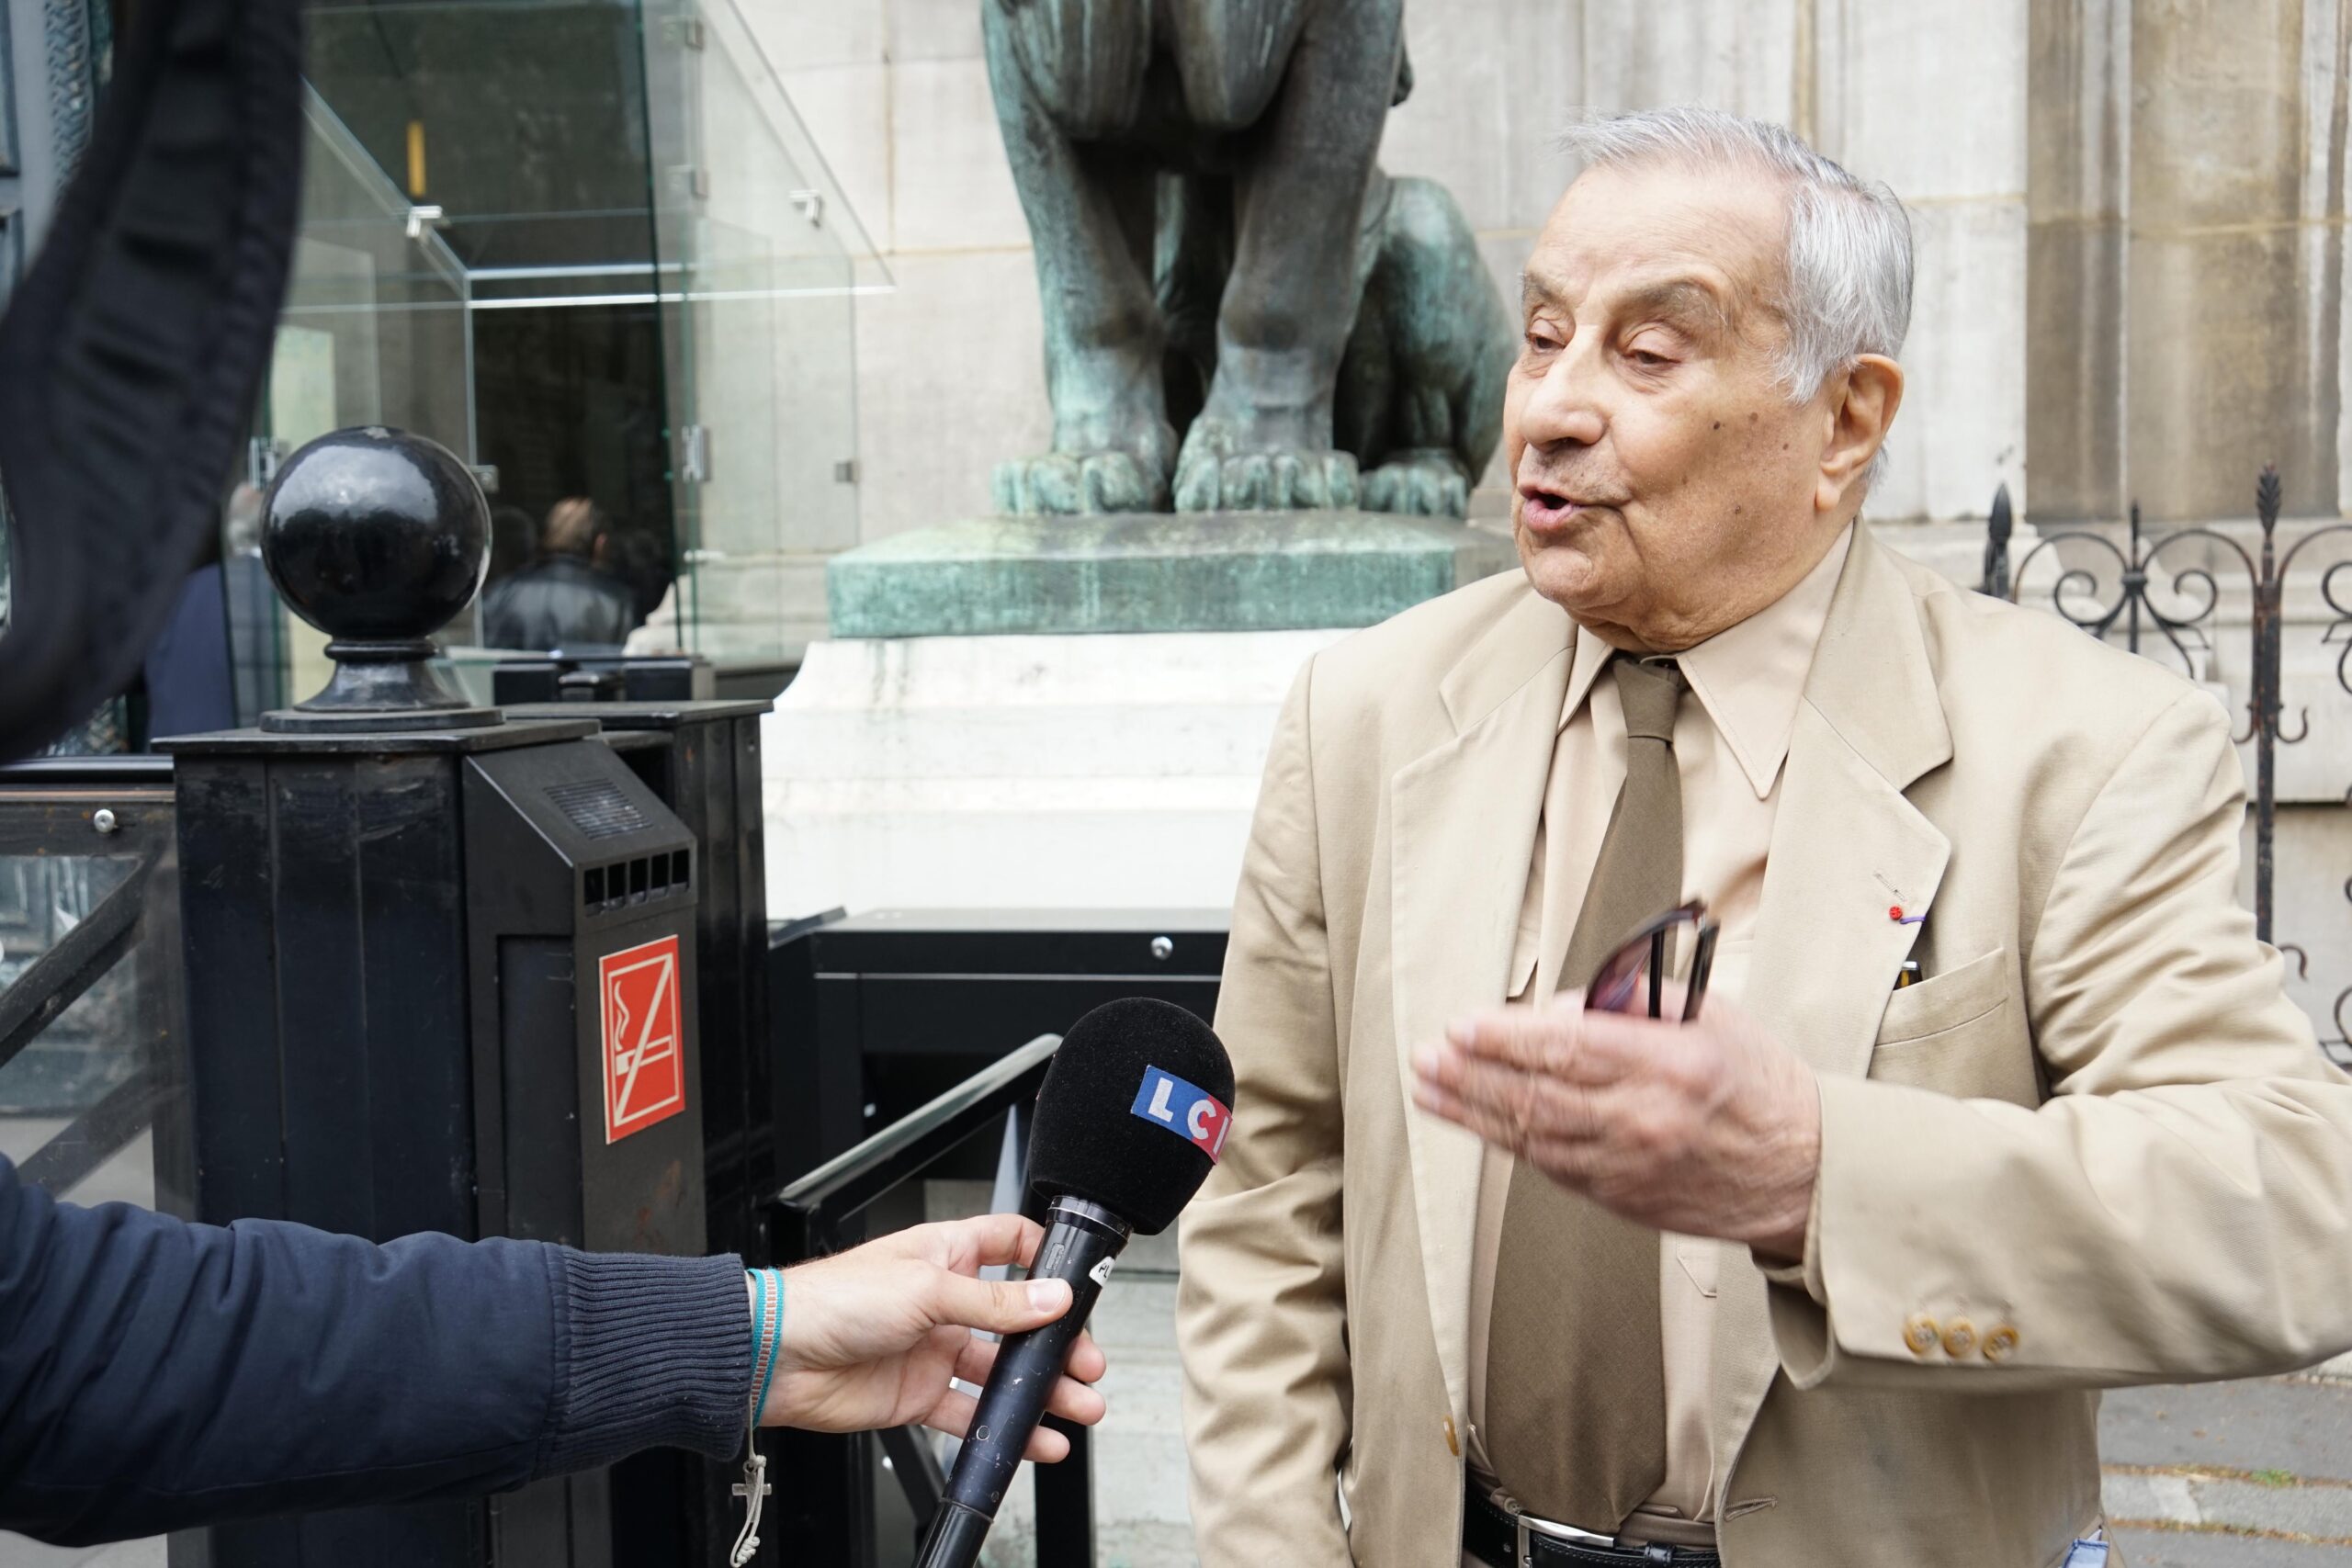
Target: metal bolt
(1162,947)
(103,819)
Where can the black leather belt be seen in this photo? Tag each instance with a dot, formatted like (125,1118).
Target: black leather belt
(1496,1536)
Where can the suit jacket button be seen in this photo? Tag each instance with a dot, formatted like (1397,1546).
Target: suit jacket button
(1920,1334)
(1999,1343)
(1959,1337)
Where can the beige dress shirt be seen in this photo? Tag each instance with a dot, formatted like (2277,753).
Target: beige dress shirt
(1729,744)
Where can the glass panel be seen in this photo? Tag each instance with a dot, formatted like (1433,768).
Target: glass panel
(374,332)
(521,123)
(590,248)
(761,260)
(92,1104)
(80,1100)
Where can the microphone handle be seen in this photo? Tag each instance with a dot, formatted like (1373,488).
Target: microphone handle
(1081,1238)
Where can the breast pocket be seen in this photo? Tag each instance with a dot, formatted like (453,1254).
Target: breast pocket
(1962,1034)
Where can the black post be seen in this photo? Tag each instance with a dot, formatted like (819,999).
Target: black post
(2135,585)
(1998,530)
(419,941)
(2266,700)
(1065,1494)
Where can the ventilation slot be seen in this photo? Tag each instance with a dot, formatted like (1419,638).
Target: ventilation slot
(627,882)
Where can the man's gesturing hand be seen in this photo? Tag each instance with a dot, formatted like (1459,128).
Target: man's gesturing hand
(872,1337)
(1709,1128)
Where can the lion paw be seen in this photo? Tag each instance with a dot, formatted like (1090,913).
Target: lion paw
(1420,483)
(1063,483)
(1216,474)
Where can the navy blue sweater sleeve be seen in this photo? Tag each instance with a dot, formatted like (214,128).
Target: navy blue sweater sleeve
(155,1374)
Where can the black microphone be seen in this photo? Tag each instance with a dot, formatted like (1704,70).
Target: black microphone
(1133,1114)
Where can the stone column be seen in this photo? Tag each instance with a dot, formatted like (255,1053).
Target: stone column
(2184,259)
(2077,138)
(2221,349)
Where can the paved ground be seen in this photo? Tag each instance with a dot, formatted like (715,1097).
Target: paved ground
(2231,1475)
(2220,1475)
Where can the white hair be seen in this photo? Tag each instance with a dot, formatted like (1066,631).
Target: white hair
(1848,291)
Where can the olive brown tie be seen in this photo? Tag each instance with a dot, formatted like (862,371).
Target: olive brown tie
(1575,1387)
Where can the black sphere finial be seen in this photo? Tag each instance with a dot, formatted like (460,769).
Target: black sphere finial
(376,535)
(377,538)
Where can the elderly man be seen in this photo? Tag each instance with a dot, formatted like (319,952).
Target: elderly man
(1827,1276)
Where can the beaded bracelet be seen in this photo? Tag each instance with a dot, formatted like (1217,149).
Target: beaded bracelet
(767,1320)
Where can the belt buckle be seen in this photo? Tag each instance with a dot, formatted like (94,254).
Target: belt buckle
(1526,1527)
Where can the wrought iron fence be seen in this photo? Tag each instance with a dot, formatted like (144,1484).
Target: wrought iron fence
(2169,606)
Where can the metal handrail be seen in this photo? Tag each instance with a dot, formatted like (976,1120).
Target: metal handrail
(831,1503)
(118,808)
(809,1217)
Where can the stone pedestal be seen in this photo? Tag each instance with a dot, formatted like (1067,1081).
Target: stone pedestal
(1238,571)
(1100,771)
(1075,712)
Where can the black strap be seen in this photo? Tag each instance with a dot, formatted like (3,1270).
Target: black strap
(131,354)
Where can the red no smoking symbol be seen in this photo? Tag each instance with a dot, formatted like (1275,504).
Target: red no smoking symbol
(645,1075)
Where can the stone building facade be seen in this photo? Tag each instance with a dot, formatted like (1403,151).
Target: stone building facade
(2131,219)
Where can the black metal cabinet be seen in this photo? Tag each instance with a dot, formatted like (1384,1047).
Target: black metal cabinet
(702,759)
(441,981)
(879,1013)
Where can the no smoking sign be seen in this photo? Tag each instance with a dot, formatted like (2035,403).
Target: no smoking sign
(645,1075)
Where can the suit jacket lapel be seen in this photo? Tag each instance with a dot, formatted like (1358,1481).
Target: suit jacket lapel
(1462,821)
(1847,849)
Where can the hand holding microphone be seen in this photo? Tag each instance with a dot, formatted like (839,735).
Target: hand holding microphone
(1133,1114)
(872,1337)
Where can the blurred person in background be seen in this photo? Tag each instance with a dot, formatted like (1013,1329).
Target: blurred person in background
(568,599)
(214,666)
(514,541)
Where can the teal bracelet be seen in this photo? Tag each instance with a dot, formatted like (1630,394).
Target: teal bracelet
(769,1328)
(766,1336)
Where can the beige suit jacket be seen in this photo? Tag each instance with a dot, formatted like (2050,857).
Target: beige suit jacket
(2097,1123)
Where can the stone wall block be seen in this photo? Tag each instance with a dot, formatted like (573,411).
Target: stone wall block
(1961,432)
(2216,377)
(1932,96)
(2074,393)
(1460,114)
(801,33)
(847,111)
(951,187)
(951,379)
(1734,54)
(932,30)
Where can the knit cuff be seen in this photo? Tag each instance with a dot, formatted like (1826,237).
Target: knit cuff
(649,1352)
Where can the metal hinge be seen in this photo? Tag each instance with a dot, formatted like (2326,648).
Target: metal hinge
(684,29)
(694,454)
(693,180)
(845,471)
(810,204)
(486,476)
(263,455)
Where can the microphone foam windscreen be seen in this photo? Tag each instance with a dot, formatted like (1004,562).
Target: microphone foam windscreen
(1134,1111)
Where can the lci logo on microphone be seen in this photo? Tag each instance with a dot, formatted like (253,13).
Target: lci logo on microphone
(1178,1106)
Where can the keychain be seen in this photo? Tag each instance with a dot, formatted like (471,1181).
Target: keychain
(767,1314)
